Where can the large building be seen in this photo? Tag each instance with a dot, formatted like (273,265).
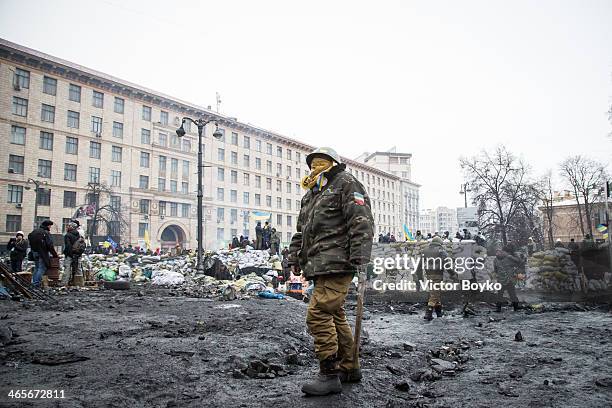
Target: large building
(439,219)
(72,129)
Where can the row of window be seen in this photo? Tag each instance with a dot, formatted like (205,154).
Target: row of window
(246,199)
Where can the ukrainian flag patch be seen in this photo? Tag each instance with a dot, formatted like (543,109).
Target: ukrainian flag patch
(359,200)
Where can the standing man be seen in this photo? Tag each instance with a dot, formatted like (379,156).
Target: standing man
(506,265)
(434,257)
(266,236)
(258,236)
(42,250)
(332,242)
(274,242)
(74,246)
(18,247)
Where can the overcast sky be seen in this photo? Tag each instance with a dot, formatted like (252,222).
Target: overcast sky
(438,79)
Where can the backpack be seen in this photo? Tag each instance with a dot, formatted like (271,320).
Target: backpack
(78,248)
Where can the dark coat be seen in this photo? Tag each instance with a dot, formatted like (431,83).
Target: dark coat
(69,239)
(41,243)
(334,228)
(19,249)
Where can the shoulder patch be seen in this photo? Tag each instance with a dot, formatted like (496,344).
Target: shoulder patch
(358,197)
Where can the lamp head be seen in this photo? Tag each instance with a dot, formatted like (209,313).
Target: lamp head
(217,133)
(180,132)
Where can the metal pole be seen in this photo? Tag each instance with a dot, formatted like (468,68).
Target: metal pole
(35,203)
(608,226)
(199,265)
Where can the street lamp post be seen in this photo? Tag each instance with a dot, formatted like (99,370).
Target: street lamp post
(200,123)
(464,191)
(37,184)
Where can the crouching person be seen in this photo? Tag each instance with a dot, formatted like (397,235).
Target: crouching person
(332,242)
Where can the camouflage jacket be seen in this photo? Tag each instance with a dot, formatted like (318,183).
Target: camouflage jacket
(434,258)
(335,227)
(507,266)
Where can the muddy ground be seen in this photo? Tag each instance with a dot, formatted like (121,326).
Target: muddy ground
(157,348)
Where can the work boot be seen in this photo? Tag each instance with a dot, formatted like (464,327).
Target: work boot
(515,306)
(428,313)
(327,381)
(350,376)
(438,309)
(498,307)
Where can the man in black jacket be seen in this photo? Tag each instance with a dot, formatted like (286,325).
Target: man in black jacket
(18,247)
(42,247)
(72,255)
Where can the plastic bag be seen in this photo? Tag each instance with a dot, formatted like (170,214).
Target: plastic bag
(106,274)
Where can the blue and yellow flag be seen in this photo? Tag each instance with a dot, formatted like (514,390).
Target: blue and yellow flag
(408,234)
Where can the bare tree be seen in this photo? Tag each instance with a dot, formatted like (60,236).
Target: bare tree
(101,210)
(546,198)
(585,176)
(503,191)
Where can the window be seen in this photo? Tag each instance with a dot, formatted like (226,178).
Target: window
(18,135)
(94,174)
(220,174)
(288,171)
(144,206)
(74,93)
(233,215)
(298,173)
(119,105)
(288,203)
(279,169)
(97,99)
(246,142)
(288,187)
(15,194)
(20,106)
(162,165)
(233,196)
(279,219)
(234,177)
(184,187)
(246,160)
(174,141)
(161,184)
(44,168)
(235,138)
(46,141)
(269,183)
(220,194)
(279,202)
(143,182)
(162,208)
(173,209)
(21,79)
(95,150)
(49,85)
(246,179)
(269,167)
(70,172)
(96,125)
(117,154)
(269,201)
(258,145)
(257,163)
(163,140)
(257,199)
(234,157)
(173,168)
(220,214)
(220,234)
(144,159)
(16,163)
(185,169)
(73,119)
(221,154)
(118,129)
(145,136)
(187,127)
(269,148)
(69,199)
(72,145)
(185,210)
(47,113)
(163,118)
(279,186)
(186,147)
(13,223)
(279,151)
(298,156)
(146,113)
(289,154)
(43,196)
(258,181)
(173,186)
(115,202)
(245,197)
(142,227)
(115,179)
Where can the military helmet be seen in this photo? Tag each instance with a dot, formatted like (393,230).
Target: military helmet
(323,151)
(436,241)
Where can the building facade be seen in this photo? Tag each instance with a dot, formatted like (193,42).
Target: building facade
(439,219)
(69,128)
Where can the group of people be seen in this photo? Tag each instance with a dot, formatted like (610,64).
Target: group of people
(388,237)
(266,237)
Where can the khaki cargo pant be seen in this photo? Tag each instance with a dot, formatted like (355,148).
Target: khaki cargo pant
(435,296)
(326,319)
